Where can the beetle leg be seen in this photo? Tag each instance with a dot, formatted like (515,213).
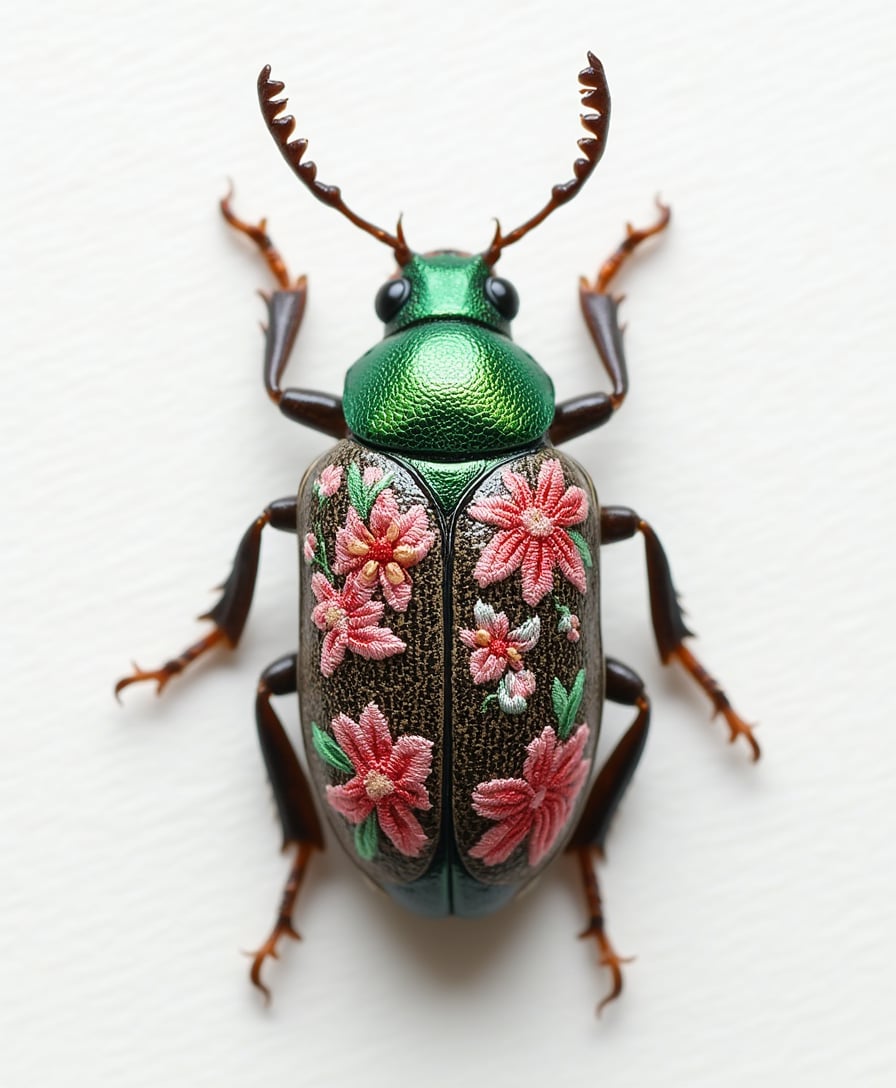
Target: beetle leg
(601,313)
(298,818)
(626,687)
(286,308)
(258,233)
(621,523)
(230,613)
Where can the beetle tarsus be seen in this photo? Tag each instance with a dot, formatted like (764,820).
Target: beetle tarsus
(608,955)
(171,668)
(633,238)
(721,704)
(283,927)
(258,233)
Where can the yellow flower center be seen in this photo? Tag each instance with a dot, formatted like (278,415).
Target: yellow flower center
(334,616)
(378,785)
(536,522)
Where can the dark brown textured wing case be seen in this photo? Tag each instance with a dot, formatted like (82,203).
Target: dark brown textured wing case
(372,636)
(515,795)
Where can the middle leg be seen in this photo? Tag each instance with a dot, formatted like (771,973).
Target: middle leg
(622,523)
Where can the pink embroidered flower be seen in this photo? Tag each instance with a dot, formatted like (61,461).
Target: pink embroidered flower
(569,625)
(389,778)
(329,481)
(532,532)
(514,691)
(351,621)
(494,646)
(309,548)
(536,806)
(372,475)
(394,542)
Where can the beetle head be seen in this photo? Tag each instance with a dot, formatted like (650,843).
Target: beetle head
(446,284)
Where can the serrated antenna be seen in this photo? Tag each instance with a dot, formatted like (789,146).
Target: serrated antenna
(596,95)
(281,128)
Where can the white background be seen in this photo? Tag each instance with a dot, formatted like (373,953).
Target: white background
(138,847)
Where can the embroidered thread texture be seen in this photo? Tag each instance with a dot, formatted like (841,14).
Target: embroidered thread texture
(372,559)
(537,806)
(496,650)
(536,532)
(387,783)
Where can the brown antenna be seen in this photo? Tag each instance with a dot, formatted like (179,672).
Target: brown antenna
(596,93)
(281,128)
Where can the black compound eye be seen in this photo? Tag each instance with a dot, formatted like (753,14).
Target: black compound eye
(390,298)
(502,295)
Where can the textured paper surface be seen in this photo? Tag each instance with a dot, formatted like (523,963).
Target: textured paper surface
(139,849)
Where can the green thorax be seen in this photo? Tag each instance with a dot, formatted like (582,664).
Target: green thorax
(447,382)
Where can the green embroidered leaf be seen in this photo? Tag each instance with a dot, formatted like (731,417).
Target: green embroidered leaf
(329,751)
(488,699)
(567,703)
(559,698)
(367,838)
(320,553)
(357,492)
(582,544)
(377,487)
(572,706)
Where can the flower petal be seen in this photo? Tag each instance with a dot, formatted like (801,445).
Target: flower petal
(538,569)
(332,651)
(364,742)
(550,487)
(526,635)
(518,486)
(502,798)
(501,556)
(500,841)
(397,597)
(540,759)
(408,768)
(351,800)
(486,666)
(572,509)
(496,510)
(568,559)
(401,826)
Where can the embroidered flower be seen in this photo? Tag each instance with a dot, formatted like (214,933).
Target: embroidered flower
(389,778)
(536,806)
(329,481)
(372,475)
(568,624)
(382,553)
(309,548)
(514,691)
(494,646)
(351,621)
(533,532)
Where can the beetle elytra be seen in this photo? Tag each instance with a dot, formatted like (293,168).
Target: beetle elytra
(451,671)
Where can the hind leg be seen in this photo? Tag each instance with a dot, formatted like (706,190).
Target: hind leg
(298,818)
(626,687)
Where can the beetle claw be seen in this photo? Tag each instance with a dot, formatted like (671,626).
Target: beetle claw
(739,728)
(159,676)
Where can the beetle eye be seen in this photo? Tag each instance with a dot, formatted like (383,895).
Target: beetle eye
(390,298)
(502,295)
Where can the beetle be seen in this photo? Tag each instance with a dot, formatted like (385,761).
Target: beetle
(451,672)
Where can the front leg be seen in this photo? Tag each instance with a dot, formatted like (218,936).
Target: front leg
(622,523)
(229,615)
(286,308)
(601,313)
